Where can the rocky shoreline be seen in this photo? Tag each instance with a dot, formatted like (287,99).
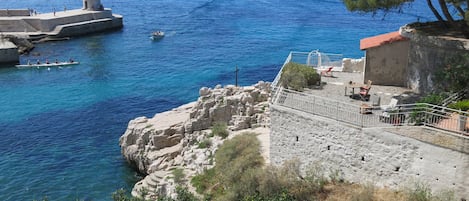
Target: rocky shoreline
(170,140)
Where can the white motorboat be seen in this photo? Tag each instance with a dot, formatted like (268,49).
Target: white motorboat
(157,35)
(53,64)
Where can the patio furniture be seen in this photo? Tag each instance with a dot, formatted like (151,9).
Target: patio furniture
(364,90)
(327,72)
(352,85)
(392,104)
(365,109)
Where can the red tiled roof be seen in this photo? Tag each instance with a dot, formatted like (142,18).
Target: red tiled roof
(382,39)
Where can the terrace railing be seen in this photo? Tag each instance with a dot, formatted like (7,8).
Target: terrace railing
(420,114)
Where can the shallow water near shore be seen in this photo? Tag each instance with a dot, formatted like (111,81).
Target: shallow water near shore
(60,127)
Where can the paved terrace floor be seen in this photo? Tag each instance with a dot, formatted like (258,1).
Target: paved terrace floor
(335,88)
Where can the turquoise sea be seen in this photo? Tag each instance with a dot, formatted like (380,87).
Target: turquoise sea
(59,128)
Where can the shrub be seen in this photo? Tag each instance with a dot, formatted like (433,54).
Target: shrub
(435,99)
(365,194)
(178,175)
(203,181)
(205,144)
(220,129)
(183,194)
(121,195)
(298,76)
(460,105)
(455,75)
(419,193)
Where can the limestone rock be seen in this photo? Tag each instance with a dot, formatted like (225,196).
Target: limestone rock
(172,139)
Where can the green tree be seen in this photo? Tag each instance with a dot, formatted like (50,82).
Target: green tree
(445,14)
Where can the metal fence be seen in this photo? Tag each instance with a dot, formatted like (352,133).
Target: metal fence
(420,114)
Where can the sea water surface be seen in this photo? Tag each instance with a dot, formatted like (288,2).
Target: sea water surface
(60,127)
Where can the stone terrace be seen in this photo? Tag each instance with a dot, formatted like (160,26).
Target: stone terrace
(335,88)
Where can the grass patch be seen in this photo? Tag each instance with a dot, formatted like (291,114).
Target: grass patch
(178,175)
(206,143)
(220,129)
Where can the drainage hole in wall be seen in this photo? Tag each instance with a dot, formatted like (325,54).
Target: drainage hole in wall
(363,158)
(328,147)
(397,168)
(421,158)
(437,179)
(454,184)
(418,174)
(455,166)
(297,138)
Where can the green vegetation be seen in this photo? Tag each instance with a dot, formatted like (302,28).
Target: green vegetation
(460,105)
(239,175)
(183,194)
(206,143)
(220,129)
(455,76)
(178,175)
(443,14)
(298,76)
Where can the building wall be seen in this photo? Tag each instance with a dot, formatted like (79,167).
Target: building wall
(428,55)
(387,64)
(367,155)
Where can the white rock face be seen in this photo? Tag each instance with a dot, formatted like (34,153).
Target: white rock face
(156,146)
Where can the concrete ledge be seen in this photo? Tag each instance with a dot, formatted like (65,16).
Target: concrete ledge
(434,137)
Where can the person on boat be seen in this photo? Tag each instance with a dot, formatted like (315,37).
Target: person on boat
(47,61)
(71,60)
(56,61)
(38,62)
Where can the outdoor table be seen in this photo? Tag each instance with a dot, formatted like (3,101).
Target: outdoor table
(353,86)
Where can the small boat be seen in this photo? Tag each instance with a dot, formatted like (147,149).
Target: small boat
(53,64)
(157,35)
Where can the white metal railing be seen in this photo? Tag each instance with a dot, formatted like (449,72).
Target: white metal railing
(315,59)
(419,114)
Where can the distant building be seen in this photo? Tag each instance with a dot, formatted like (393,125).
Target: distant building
(386,59)
(92,5)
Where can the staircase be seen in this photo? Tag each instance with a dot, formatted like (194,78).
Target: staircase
(454,97)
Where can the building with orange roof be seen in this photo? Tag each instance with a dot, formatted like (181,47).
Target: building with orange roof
(386,59)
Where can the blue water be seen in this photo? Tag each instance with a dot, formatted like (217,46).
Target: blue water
(59,129)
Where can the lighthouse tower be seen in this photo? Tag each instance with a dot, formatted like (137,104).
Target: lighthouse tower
(92,5)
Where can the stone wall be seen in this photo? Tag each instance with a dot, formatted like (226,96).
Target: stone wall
(353,65)
(366,155)
(387,64)
(427,55)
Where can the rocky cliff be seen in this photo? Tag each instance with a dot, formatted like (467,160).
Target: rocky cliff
(171,140)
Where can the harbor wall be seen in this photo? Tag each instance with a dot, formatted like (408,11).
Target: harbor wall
(70,18)
(14,12)
(89,27)
(372,155)
(8,52)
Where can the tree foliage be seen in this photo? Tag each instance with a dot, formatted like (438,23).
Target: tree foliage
(448,13)
(455,75)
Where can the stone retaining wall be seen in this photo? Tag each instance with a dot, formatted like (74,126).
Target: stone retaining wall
(366,155)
